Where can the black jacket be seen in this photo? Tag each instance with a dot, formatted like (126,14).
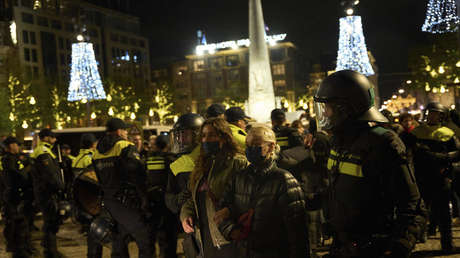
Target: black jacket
(278,225)
(16,179)
(118,166)
(287,137)
(371,180)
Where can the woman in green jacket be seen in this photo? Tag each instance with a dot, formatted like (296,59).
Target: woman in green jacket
(218,161)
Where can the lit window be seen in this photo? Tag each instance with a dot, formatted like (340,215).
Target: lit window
(278,69)
(232,60)
(198,65)
(279,83)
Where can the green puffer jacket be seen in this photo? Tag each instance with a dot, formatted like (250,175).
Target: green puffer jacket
(220,174)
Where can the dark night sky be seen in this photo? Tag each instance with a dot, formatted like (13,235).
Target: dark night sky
(391,27)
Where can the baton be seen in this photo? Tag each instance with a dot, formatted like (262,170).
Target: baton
(60,163)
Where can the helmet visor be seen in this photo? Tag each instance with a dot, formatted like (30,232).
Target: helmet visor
(323,114)
(183,141)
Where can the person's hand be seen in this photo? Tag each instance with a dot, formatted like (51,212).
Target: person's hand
(308,140)
(221,215)
(187,225)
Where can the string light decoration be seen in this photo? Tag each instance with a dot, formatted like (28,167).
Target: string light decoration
(441,17)
(352,54)
(85,81)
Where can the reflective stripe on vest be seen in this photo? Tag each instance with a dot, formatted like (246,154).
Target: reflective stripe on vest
(115,151)
(282,141)
(348,165)
(155,163)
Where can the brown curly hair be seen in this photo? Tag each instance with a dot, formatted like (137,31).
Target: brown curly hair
(229,148)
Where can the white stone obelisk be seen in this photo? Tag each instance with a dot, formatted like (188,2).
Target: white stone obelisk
(261,97)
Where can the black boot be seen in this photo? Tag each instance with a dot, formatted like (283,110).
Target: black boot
(50,247)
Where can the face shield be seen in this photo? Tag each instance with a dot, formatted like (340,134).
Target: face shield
(183,140)
(323,114)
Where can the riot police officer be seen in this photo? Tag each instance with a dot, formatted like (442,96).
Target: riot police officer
(185,136)
(286,137)
(122,177)
(436,149)
(80,164)
(186,145)
(373,193)
(48,188)
(158,162)
(16,181)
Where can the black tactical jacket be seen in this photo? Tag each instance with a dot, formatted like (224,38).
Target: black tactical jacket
(118,167)
(278,226)
(46,174)
(287,137)
(16,179)
(373,191)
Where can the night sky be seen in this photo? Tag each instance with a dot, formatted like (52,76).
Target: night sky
(391,28)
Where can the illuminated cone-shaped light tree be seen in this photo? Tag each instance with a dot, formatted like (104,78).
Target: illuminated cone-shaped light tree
(441,17)
(352,54)
(85,81)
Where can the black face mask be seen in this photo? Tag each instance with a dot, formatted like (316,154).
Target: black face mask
(254,155)
(210,148)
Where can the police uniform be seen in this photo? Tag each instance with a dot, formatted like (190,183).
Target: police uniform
(437,147)
(166,222)
(83,161)
(374,199)
(286,137)
(122,178)
(47,188)
(177,192)
(239,135)
(16,181)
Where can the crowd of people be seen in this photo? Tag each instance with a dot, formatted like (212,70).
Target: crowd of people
(232,187)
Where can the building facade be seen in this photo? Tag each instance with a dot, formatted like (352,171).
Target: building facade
(44,31)
(222,75)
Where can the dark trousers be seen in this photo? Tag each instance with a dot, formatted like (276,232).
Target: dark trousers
(129,222)
(441,215)
(165,231)
(94,247)
(51,223)
(16,232)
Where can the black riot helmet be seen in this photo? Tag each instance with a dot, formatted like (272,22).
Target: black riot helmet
(345,96)
(185,133)
(436,107)
(101,229)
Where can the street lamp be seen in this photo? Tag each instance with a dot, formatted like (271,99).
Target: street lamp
(394,96)
(401,91)
(80,37)
(350,11)
(32,101)
(408,81)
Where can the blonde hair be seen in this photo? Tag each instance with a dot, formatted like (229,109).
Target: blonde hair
(267,135)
